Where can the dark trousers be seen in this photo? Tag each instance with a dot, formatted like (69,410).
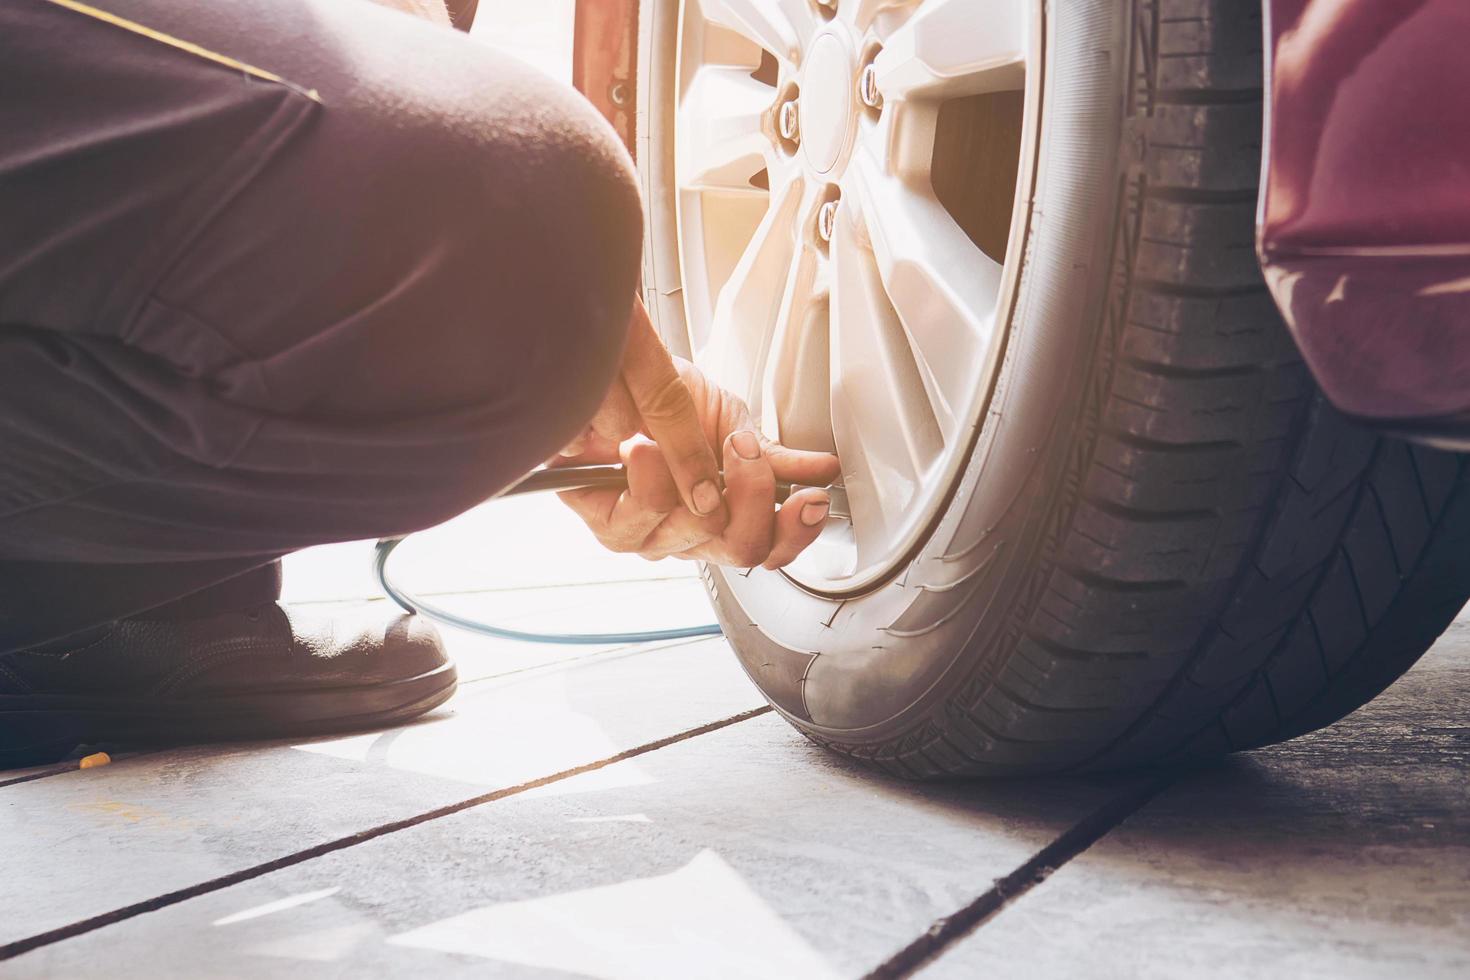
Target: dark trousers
(340,274)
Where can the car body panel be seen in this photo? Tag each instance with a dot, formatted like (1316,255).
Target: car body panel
(1364,230)
(605,60)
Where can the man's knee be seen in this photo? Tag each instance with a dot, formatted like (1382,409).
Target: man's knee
(453,227)
(538,227)
(575,260)
(538,264)
(552,226)
(534,260)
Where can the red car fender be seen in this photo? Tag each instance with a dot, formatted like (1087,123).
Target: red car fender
(1364,223)
(605,60)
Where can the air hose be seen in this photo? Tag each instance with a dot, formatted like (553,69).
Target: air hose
(540,481)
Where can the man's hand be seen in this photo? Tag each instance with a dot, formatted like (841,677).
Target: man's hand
(650,397)
(662,420)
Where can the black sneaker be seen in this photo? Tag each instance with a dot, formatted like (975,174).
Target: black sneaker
(265,672)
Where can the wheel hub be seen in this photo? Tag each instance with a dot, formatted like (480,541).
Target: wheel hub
(827,116)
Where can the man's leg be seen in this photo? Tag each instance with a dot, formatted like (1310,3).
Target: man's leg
(240,316)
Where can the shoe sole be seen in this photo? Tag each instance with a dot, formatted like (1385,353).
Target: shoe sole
(35,729)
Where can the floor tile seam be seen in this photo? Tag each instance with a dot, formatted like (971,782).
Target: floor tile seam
(943,933)
(595,657)
(93,923)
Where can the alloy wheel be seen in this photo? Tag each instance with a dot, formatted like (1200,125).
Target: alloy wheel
(849,182)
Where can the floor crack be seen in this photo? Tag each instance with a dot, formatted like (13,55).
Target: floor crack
(950,929)
(93,923)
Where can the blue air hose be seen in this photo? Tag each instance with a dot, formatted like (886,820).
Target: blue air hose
(540,481)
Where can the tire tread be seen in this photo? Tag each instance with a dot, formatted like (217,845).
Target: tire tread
(1236,563)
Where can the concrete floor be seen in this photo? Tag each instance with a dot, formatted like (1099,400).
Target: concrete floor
(636,812)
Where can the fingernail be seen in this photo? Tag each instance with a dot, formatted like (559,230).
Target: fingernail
(746,444)
(706,497)
(814,513)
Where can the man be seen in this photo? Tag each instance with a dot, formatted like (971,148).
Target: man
(285,272)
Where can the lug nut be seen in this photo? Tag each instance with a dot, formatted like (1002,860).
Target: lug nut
(827,220)
(786,120)
(868,88)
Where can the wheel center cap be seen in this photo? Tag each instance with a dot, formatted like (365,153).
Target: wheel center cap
(826,102)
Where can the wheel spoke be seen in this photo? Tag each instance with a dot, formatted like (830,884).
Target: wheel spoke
(942,287)
(886,432)
(781,27)
(790,404)
(749,304)
(795,408)
(867,328)
(955,47)
(723,143)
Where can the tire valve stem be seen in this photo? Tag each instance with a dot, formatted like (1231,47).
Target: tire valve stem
(786,121)
(827,220)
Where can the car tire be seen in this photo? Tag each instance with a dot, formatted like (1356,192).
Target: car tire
(1164,545)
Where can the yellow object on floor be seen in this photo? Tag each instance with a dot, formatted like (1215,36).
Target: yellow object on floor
(94,760)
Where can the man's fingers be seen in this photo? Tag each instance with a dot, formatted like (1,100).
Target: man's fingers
(750,492)
(624,520)
(616,420)
(798,523)
(670,417)
(576,447)
(594,505)
(618,521)
(681,533)
(649,481)
(677,501)
(801,466)
(590,450)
